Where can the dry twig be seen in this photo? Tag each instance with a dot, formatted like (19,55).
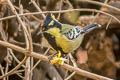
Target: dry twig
(99,3)
(63,11)
(27,37)
(45,58)
(37,7)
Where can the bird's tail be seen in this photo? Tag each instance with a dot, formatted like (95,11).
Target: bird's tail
(91,27)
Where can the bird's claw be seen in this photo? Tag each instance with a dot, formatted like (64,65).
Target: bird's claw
(58,60)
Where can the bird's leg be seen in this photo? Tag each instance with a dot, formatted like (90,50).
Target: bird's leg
(51,56)
(59,54)
(58,59)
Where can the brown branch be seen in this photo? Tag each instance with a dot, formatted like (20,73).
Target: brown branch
(29,61)
(68,2)
(20,21)
(45,58)
(70,76)
(19,65)
(102,19)
(2,72)
(108,23)
(99,3)
(39,60)
(38,8)
(15,58)
(14,69)
(105,2)
(63,11)
(74,64)
(34,17)
(61,5)
(27,37)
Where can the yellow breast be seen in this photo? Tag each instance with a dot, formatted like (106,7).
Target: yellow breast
(61,40)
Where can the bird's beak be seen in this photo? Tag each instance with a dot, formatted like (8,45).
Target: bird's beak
(91,27)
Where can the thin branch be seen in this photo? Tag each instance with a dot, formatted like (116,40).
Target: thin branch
(18,71)
(73,60)
(29,61)
(38,8)
(45,58)
(61,4)
(20,76)
(27,37)
(11,52)
(20,21)
(105,2)
(70,76)
(101,4)
(108,23)
(2,71)
(14,69)
(74,64)
(38,61)
(34,17)
(63,11)
(68,2)
(22,43)
(7,67)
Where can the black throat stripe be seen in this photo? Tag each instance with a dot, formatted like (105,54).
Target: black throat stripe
(51,40)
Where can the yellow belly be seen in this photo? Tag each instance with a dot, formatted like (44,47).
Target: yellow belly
(67,45)
(63,42)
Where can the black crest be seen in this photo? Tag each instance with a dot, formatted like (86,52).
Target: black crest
(49,18)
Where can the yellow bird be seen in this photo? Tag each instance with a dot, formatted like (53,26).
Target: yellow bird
(64,38)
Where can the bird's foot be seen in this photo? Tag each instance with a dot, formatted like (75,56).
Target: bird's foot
(58,59)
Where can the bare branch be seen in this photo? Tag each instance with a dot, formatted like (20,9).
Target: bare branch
(27,37)
(37,7)
(99,3)
(45,58)
(70,76)
(63,11)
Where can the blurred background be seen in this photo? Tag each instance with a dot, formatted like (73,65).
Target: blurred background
(99,52)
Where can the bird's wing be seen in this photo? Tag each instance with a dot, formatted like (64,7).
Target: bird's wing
(71,32)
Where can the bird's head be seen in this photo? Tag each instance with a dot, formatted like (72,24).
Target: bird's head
(49,22)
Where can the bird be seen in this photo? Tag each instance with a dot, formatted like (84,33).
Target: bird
(64,38)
